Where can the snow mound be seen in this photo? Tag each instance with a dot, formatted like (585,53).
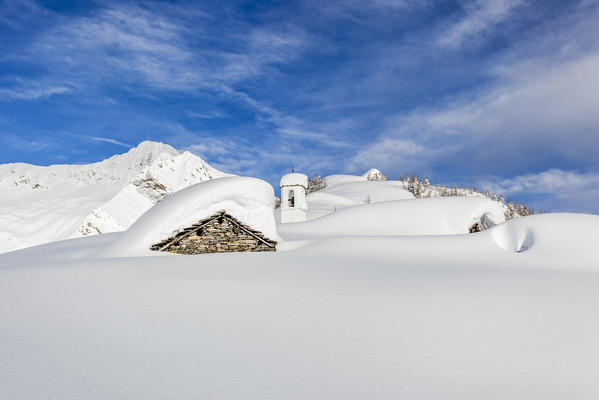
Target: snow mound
(338,179)
(294,179)
(344,191)
(551,236)
(250,200)
(431,216)
(374,175)
(360,190)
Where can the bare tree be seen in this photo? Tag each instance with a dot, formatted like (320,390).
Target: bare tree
(316,183)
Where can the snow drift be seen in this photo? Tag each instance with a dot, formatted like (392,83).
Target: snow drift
(432,216)
(567,237)
(250,200)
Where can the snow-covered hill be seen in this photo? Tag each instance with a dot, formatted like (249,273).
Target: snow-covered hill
(42,204)
(387,299)
(342,191)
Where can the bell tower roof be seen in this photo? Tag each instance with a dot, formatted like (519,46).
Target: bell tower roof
(294,179)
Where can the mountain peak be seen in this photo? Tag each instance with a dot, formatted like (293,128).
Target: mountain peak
(147,152)
(85,199)
(148,146)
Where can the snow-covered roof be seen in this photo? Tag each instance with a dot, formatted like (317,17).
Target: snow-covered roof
(250,200)
(294,179)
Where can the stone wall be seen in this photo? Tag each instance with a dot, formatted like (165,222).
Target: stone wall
(219,235)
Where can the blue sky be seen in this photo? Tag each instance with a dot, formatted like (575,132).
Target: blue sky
(500,94)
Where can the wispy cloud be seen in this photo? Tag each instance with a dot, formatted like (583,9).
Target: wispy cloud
(22,89)
(125,44)
(553,181)
(557,189)
(356,10)
(206,114)
(293,129)
(249,155)
(480,16)
(262,48)
(112,141)
(16,142)
(157,48)
(15,13)
(536,111)
(396,155)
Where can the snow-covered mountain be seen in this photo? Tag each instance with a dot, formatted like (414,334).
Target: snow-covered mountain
(42,204)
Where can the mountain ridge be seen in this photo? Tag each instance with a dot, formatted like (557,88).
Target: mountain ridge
(63,201)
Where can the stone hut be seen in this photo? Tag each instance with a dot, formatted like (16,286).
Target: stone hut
(218,233)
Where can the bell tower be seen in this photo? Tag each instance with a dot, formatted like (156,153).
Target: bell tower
(293,197)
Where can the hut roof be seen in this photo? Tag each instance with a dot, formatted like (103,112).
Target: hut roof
(198,225)
(248,200)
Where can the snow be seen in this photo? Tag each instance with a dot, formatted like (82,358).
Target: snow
(348,190)
(431,216)
(43,204)
(385,300)
(294,179)
(250,200)
(374,174)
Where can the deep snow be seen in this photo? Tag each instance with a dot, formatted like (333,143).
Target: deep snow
(384,300)
(249,200)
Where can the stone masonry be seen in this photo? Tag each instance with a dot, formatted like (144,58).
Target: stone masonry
(216,234)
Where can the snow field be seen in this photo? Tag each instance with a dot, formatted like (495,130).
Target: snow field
(431,216)
(385,300)
(320,322)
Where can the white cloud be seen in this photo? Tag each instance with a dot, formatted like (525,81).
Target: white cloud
(356,9)
(293,129)
(21,143)
(556,189)
(248,155)
(16,13)
(126,44)
(112,141)
(391,152)
(206,114)
(480,16)
(553,181)
(31,90)
(537,107)
(158,47)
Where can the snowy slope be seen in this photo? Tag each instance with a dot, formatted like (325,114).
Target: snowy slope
(431,216)
(344,191)
(348,190)
(509,312)
(42,204)
(381,300)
